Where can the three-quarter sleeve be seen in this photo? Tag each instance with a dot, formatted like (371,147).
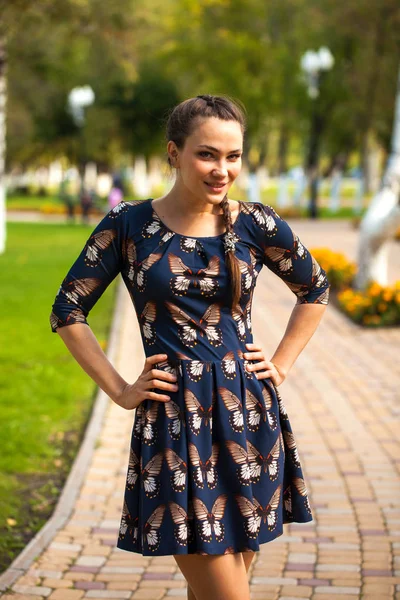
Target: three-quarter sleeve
(287,257)
(96,267)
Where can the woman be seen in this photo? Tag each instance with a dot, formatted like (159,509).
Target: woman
(214,470)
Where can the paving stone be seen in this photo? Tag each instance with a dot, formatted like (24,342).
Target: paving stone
(150,594)
(46,573)
(90,561)
(29,580)
(314,582)
(19,597)
(128,577)
(296,591)
(154,568)
(95,550)
(346,582)
(337,590)
(57,583)
(163,583)
(337,567)
(161,576)
(297,557)
(299,567)
(273,580)
(108,594)
(74,576)
(66,595)
(90,585)
(69,547)
(384,572)
(122,585)
(30,590)
(84,569)
(342,597)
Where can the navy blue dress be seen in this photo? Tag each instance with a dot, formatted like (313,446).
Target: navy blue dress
(216,469)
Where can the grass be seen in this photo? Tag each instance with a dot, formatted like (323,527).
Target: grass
(45,397)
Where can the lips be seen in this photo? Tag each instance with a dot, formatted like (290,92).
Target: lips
(216,185)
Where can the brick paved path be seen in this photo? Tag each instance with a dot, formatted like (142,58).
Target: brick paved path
(343,400)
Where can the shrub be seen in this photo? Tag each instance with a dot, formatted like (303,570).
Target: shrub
(375,306)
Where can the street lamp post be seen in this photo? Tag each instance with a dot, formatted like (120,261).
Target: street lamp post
(313,64)
(80,98)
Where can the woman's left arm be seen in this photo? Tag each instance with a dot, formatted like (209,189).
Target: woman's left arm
(286,256)
(302,324)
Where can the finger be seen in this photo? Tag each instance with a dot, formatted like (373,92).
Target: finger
(264,375)
(160,374)
(254,355)
(160,397)
(152,360)
(257,366)
(162,385)
(253,346)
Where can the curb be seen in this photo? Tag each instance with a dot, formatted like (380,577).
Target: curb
(78,470)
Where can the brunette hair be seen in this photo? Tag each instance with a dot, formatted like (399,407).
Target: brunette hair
(181,122)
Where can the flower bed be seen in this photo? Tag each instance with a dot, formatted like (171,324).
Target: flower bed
(375,306)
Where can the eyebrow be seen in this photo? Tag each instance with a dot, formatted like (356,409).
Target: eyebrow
(216,149)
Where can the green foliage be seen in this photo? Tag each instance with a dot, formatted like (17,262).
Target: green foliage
(142,109)
(142,58)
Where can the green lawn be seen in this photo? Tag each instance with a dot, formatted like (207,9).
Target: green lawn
(45,397)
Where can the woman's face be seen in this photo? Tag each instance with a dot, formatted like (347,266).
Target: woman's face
(211,155)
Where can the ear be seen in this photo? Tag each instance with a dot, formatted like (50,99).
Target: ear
(173,154)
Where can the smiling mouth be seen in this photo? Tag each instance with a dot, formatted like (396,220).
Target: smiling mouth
(216,185)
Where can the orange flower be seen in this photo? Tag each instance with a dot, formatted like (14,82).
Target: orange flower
(387,295)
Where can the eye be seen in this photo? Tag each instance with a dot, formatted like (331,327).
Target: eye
(203,152)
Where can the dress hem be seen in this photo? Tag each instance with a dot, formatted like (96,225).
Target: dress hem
(232,549)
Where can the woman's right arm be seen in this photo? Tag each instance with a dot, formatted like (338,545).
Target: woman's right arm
(98,264)
(84,347)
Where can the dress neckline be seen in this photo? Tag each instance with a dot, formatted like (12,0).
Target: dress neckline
(196,237)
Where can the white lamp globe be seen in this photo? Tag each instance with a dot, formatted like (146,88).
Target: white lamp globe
(326,59)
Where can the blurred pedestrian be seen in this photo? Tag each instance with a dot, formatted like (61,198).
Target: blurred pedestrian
(116,194)
(86,200)
(67,198)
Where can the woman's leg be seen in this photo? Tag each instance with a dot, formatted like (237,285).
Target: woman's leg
(190,595)
(247,558)
(215,577)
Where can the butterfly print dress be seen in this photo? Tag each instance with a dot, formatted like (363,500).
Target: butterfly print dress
(216,469)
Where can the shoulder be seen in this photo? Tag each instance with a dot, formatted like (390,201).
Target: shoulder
(125,218)
(124,207)
(128,213)
(263,216)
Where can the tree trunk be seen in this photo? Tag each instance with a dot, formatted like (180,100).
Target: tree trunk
(317,129)
(283,148)
(382,218)
(370,97)
(3,99)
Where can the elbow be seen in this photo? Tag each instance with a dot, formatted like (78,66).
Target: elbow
(55,322)
(319,295)
(76,315)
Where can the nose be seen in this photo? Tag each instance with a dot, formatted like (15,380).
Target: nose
(220,173)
